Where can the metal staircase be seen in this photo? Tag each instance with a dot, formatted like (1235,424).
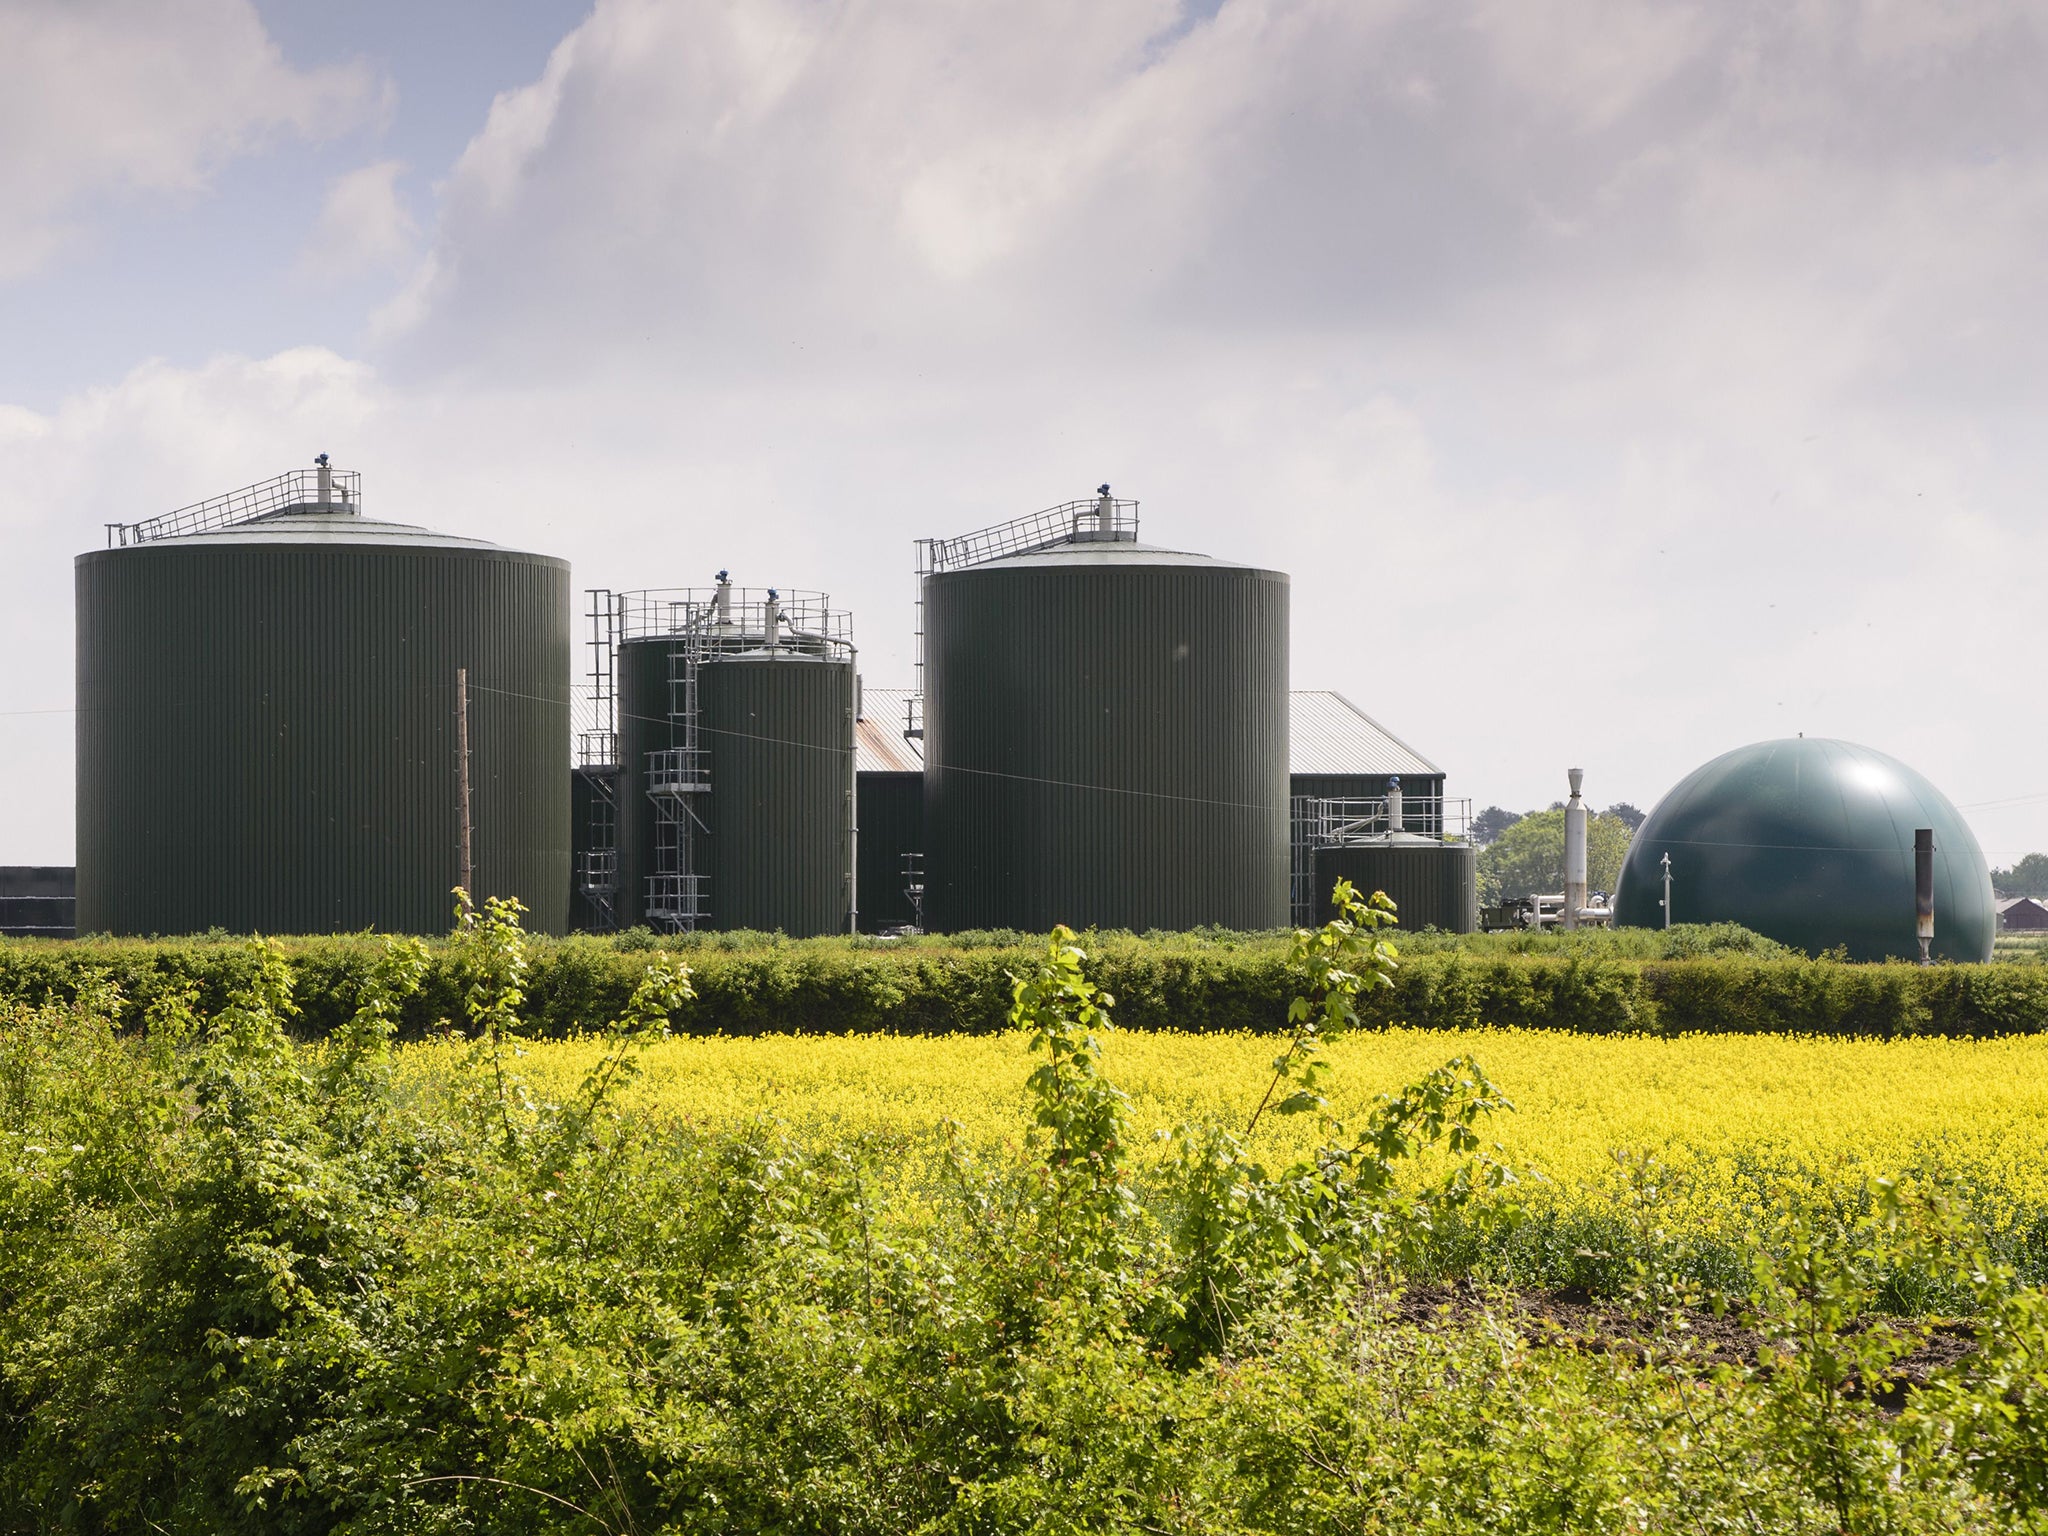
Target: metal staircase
(319,489)
(1098,518)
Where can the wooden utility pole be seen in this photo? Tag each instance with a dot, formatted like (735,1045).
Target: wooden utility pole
(468,866)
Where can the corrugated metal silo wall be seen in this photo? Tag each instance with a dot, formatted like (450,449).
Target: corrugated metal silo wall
(889,808)
(1433,886)
(266,735)
(643,672)
(780,813)
(1106,745)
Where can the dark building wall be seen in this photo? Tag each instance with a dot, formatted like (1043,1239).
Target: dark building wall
(593,792)
(1415,787)
(1434,885)
(38,900)
(779,851)
(890,809)
(2024,919)
(266,735)
(1106,743)
(643,670)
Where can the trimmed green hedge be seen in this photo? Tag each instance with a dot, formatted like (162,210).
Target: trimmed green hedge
(1193,982)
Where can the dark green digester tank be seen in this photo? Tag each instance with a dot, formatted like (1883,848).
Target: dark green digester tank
(267,727)
(1810,842)
(1106,741)
(736,779)
(1432,883)
(780,850)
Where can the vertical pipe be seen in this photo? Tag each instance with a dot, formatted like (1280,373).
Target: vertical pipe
(468,869)
(1666,903)
(853,797)
(1574,852)
(1923,890)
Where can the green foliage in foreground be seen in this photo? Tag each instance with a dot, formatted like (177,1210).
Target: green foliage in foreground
(1708,978)
(251,1289)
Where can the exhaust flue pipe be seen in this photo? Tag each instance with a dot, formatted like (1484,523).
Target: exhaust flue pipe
(1574,851)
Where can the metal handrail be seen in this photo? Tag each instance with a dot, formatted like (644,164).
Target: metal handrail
(678,770)
(597,872)
(250,504)
(652,614)
(1333,822)
(1040,530)
(679,899)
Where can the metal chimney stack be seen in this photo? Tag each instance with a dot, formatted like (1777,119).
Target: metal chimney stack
(1574,852)
(1923,890)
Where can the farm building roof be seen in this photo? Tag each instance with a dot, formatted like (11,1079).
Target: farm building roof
(2023,912)
(878,741)
(1327,734)
(1330,734)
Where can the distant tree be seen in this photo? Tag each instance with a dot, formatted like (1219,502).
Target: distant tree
(2029,877)
(1488,825)
(1626,814)
(1528,858)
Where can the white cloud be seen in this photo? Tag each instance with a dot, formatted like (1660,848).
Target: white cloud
(102,98)
(1616,392)
(364,226)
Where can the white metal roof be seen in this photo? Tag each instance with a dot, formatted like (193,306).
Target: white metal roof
(1327,734)
(878,742)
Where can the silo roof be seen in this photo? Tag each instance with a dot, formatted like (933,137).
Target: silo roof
(322,528)
(1086,552)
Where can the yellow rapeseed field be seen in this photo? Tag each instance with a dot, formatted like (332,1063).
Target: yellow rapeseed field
(1728,1113)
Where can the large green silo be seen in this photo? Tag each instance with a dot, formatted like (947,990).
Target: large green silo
(779,729)
(1105,736)
(1810,842)
(267,727)
(736,762)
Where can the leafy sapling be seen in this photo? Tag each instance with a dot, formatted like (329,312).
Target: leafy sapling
(1084,1114)
(1339,960)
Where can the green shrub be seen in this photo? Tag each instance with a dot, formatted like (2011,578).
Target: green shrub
(1711,979)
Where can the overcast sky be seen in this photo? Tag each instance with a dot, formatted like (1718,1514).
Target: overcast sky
(1620,382)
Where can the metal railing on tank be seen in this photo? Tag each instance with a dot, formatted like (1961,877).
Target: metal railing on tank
(1334,823)
(1095,517)
(726,619)
(1099,517)
(334,490)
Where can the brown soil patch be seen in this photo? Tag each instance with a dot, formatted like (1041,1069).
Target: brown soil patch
(1697,1339)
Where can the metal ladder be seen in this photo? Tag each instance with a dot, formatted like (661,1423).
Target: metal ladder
(678,894)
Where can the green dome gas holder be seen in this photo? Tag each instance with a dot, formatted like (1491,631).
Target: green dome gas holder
(1810,842)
